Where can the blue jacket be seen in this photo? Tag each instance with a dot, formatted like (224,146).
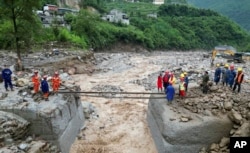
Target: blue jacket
(227,74)
(6,74)
(217,75)
(170,92)
(44,86)
(186,80)
(231,77)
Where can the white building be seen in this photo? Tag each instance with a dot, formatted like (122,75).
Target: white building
(116,16)
(158,2)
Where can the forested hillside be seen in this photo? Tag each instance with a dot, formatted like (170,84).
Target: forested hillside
(237,10)
(176,27)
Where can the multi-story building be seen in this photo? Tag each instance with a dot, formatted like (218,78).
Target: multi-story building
(117,16)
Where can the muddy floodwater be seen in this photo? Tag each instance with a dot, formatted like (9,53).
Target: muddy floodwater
(119,125)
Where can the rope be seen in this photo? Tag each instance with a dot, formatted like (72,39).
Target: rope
(90,92)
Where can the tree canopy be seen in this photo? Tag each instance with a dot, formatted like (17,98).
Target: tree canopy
(18,14)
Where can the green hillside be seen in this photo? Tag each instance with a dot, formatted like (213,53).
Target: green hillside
(237,10)
(176,27)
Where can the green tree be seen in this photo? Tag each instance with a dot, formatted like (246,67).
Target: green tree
(20,13)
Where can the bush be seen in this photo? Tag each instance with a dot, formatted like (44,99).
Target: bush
(64,35)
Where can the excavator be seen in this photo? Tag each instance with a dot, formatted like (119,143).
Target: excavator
(227,52)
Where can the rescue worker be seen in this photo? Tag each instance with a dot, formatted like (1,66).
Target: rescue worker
(172,79)
(231,76)
(182,93)
(170,92)
(165,80)
(6,75)
(56,81)
(217,74)
(36,82)
(205,79)
(224,73)
(214,52)
(45,88)
(238,79)
(186,80)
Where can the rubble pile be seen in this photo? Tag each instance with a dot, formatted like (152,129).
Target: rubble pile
(14,136)
(12,127)
(106,62)
(47,62)
(220,101)
(107,88)
(30,146)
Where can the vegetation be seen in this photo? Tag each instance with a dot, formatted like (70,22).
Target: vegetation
(43,2)
(176,27)
(16,16)
(238,11)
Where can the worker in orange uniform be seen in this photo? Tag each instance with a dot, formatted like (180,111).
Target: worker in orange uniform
(238,79)
(159,82)
(56,81)
(36,82)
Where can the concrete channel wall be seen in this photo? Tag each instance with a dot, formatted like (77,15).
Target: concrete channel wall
(58,120)
(171,135)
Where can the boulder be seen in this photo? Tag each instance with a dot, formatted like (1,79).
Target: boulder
(71,71)
(80,69)
(24,146)
(3,95)
(214,147)
(248,116)
(37,146)
(21,82)
(228,105)
(224,142)
(235,116)
(184,119)
(88,108)
(243,131)
(214,88)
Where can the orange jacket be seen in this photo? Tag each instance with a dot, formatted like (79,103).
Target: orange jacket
(35,79)
(56,80)
(239,77)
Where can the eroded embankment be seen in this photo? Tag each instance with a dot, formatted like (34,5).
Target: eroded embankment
(178,130)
